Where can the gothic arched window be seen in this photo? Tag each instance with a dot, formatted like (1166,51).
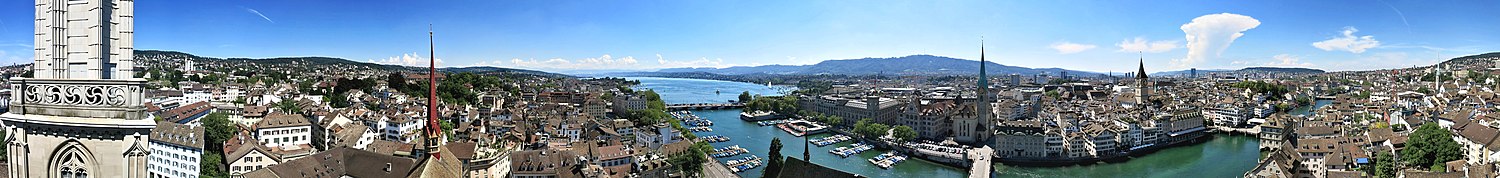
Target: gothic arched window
(73,165)
(72,160)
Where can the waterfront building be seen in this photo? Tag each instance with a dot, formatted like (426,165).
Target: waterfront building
(96,124)
(853,108)
(1277,131)
(1185,124)
(175,150)
(1021,139)
(1228,114)
(928,118)
(623,104)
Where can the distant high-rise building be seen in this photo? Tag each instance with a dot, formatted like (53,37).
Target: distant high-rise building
(81,115)
(1015,79)
(1193,73)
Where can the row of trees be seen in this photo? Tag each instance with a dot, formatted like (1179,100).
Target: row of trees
(1273,91)
(834,121)
(778,104)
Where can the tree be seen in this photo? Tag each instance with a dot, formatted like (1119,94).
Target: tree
(447,128)
(868,128)
(1385,165)
(904,133)
(691,162)
(337,100)
(218,129)
(209,165)
(1430,145)
(288,106)
(773,165)
(745,97)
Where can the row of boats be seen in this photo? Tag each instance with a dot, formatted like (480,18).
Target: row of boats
(771,122)
(852,149)
(728,151)
(715,138)
(700,129)
(885,161)
(690,119)
(743,164)
(830,140)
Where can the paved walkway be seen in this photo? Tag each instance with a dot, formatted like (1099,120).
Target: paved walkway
(716,169)
(980,157)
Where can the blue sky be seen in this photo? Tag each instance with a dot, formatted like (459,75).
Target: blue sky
(1098,36)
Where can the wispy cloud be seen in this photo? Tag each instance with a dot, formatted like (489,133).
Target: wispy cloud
(1209,35)
(1140,44)
(1288,60)
(1348,42)
(1070,48)
(1398,13)
(263,16)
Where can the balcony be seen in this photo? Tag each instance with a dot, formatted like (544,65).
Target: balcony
(93,98)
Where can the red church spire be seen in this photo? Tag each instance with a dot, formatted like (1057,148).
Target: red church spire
(434,132)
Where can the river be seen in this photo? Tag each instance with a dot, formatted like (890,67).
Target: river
(1223,156)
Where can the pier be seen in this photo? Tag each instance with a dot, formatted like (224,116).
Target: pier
(704,106)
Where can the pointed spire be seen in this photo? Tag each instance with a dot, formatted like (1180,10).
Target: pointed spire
(434,131)
(805,154)
(1141,74)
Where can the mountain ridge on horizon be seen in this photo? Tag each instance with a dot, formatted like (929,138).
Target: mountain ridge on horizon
(336,60)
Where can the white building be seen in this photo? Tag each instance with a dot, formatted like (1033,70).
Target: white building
(401,128)
(192,92)
(175,150)
(628,102)
(283,130)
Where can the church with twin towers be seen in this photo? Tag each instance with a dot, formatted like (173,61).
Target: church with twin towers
(81,114)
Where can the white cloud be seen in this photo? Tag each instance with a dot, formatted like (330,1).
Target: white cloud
(1209,35)
(407,59)
(1348,42)
(1239,62)
(1288,60)
(1070,48)
(1143,45)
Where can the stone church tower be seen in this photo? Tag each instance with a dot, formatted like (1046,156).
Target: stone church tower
(81,115)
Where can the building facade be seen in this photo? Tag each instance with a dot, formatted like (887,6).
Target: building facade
(176,150)
(80,115)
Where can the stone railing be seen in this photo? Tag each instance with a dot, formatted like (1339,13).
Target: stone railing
(113,98)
